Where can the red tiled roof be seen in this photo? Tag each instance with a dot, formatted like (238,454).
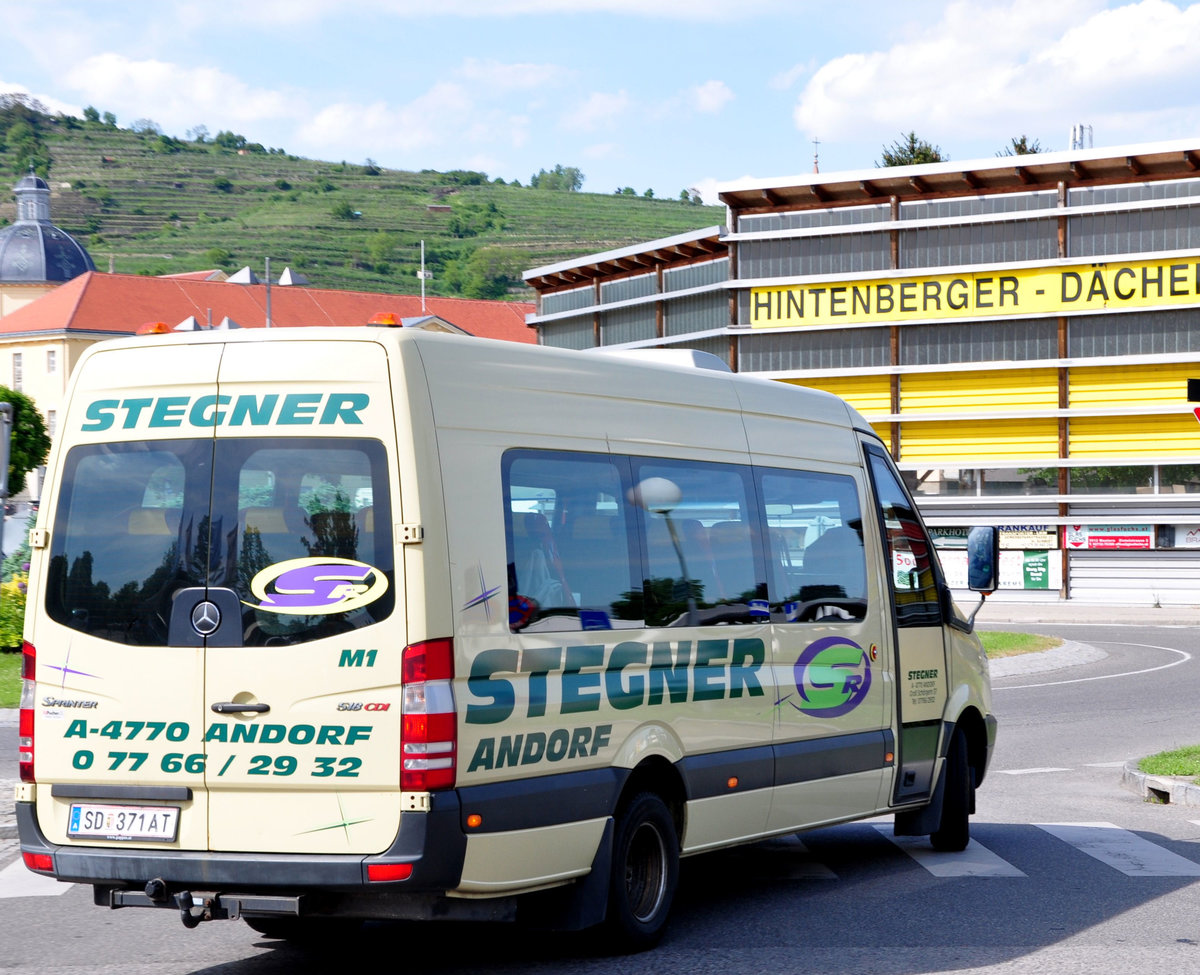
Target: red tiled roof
(119,304)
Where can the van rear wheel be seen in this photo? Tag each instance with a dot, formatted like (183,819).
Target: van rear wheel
(954,829)
(645,874)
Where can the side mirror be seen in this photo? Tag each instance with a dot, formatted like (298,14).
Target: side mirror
(983,559)
(983,564)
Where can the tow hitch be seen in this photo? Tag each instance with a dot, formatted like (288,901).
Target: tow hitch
(197,906)
(193,910)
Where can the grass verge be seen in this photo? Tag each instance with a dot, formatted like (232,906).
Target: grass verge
(1001,644)
(10,679)
(1180,761)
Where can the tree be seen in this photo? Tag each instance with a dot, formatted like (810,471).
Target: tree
(198,133)
(487,272)
(230,140)
(91,114)
(909,150)
(146,126)
(110,120)
(649,194)
(381,249)
(29,443)
(1020,145)
(566,179)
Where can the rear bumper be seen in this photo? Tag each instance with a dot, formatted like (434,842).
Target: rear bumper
(432,842)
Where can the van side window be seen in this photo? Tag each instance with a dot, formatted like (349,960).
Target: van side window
(911,555)
(567,527)
(700,543)
(817,562)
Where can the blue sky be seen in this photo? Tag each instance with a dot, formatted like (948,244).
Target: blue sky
(659,94)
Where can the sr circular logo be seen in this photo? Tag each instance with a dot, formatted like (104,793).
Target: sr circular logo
(833,677)
(313,586)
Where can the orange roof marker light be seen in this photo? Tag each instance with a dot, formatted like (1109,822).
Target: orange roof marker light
(383,318)
(153,328)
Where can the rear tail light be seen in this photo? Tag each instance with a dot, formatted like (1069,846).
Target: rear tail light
(429,730)
(25,717)
(39,862)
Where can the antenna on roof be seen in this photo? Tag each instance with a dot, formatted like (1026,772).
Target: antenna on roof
(816,160)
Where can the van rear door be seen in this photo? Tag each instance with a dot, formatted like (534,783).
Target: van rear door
(302,737)
(119,710)
(219,657)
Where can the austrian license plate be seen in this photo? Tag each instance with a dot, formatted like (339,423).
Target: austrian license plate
(112,822)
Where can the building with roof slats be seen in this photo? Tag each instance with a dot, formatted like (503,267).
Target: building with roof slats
(1019,331)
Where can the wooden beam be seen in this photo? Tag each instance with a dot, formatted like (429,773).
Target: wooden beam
(1078,170)
(772,197)
(918,184)
(869,188)
(1191,159)
(971,180)
(1135,167)
(1022,175)
(820,192)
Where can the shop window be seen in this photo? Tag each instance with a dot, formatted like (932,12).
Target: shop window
(1112,480)
(1023,480)
(1179,479)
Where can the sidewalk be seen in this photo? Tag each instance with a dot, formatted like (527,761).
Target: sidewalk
(1069,611)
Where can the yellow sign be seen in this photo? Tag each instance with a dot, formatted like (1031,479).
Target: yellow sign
(1057,290)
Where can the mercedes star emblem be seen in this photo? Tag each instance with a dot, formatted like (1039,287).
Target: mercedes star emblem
(206,618)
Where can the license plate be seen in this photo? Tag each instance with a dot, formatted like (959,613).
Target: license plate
(110,822)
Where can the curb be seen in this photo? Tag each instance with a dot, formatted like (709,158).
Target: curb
(1177,789)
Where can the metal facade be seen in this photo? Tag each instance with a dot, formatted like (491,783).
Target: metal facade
(1051,406)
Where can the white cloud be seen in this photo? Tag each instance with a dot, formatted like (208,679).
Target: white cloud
(599,110)
(497,75)
(1021,66)
(710,97)
(784,80)
(287,12)
(175,96)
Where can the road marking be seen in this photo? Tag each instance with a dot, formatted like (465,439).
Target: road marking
(1105,765)
(16,880)
(1184,657)
(1028,771)
(974,861)
(1122,850)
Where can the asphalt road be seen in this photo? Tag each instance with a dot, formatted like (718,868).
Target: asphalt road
(1068,871)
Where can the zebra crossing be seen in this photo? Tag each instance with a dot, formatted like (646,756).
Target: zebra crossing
(1121,850)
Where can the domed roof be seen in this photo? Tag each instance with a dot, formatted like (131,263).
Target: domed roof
(33,250)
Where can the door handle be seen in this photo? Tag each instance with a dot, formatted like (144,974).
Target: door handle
(231,707)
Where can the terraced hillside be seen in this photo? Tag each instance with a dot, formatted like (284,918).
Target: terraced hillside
(140,209)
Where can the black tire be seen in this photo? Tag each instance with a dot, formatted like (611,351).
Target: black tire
(645,874)
(954,829)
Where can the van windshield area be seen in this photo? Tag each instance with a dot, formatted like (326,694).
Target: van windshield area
(136,523)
